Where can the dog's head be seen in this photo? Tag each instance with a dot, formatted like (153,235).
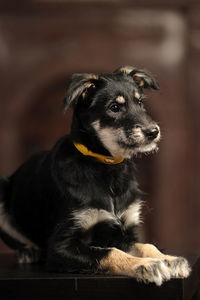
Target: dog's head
(110,106)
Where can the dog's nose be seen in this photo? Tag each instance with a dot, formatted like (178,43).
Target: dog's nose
(151,133)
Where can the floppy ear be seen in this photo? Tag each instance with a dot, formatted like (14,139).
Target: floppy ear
(141,77)
(81,86)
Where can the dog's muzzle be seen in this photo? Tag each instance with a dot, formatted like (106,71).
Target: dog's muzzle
(146,134)
(146,138)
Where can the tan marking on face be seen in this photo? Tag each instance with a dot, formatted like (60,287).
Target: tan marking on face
(120,100)
(138,136)
(109,137)
(137,95)
(96,125)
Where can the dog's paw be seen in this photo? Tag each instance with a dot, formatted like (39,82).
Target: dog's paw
(153,270)
(28,255)
(178,266)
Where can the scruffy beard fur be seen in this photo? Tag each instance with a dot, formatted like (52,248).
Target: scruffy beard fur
(117,143)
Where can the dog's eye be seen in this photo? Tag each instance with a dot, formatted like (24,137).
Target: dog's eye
(115,107)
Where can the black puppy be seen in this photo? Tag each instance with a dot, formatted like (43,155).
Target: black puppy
(79,203)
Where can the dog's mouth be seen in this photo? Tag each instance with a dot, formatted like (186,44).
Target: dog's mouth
(141,141)
(135,148)
(127,144)
(146,149)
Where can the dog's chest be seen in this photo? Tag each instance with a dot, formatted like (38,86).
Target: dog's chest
(122,191)
(110,188)
(125,198)
(107,196)
(126,207)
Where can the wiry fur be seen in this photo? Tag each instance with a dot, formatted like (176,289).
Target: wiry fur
(80,213)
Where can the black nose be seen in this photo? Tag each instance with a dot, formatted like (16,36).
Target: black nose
(151,133)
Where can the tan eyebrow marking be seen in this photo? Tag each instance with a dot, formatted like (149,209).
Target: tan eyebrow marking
(137,95)
(120,99)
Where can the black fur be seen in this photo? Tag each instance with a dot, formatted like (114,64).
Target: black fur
(40,198)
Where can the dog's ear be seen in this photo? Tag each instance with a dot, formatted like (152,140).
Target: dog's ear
(82,85)
(141,77)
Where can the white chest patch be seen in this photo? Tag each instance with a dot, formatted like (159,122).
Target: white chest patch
(88,218)
(132,215)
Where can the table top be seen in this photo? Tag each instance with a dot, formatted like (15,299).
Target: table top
(33,281)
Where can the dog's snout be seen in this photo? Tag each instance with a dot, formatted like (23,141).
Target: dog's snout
(151,133)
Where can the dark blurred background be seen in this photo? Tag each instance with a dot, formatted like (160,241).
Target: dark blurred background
(43,42)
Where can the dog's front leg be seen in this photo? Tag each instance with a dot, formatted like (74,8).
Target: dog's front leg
(73,249)
(109,261)
(146,269)
(178,266)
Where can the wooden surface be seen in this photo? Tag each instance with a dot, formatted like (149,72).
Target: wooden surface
(192,284)
(34,282)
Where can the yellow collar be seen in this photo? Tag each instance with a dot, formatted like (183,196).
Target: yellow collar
(110,160)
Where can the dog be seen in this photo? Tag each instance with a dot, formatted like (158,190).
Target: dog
(78,205)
